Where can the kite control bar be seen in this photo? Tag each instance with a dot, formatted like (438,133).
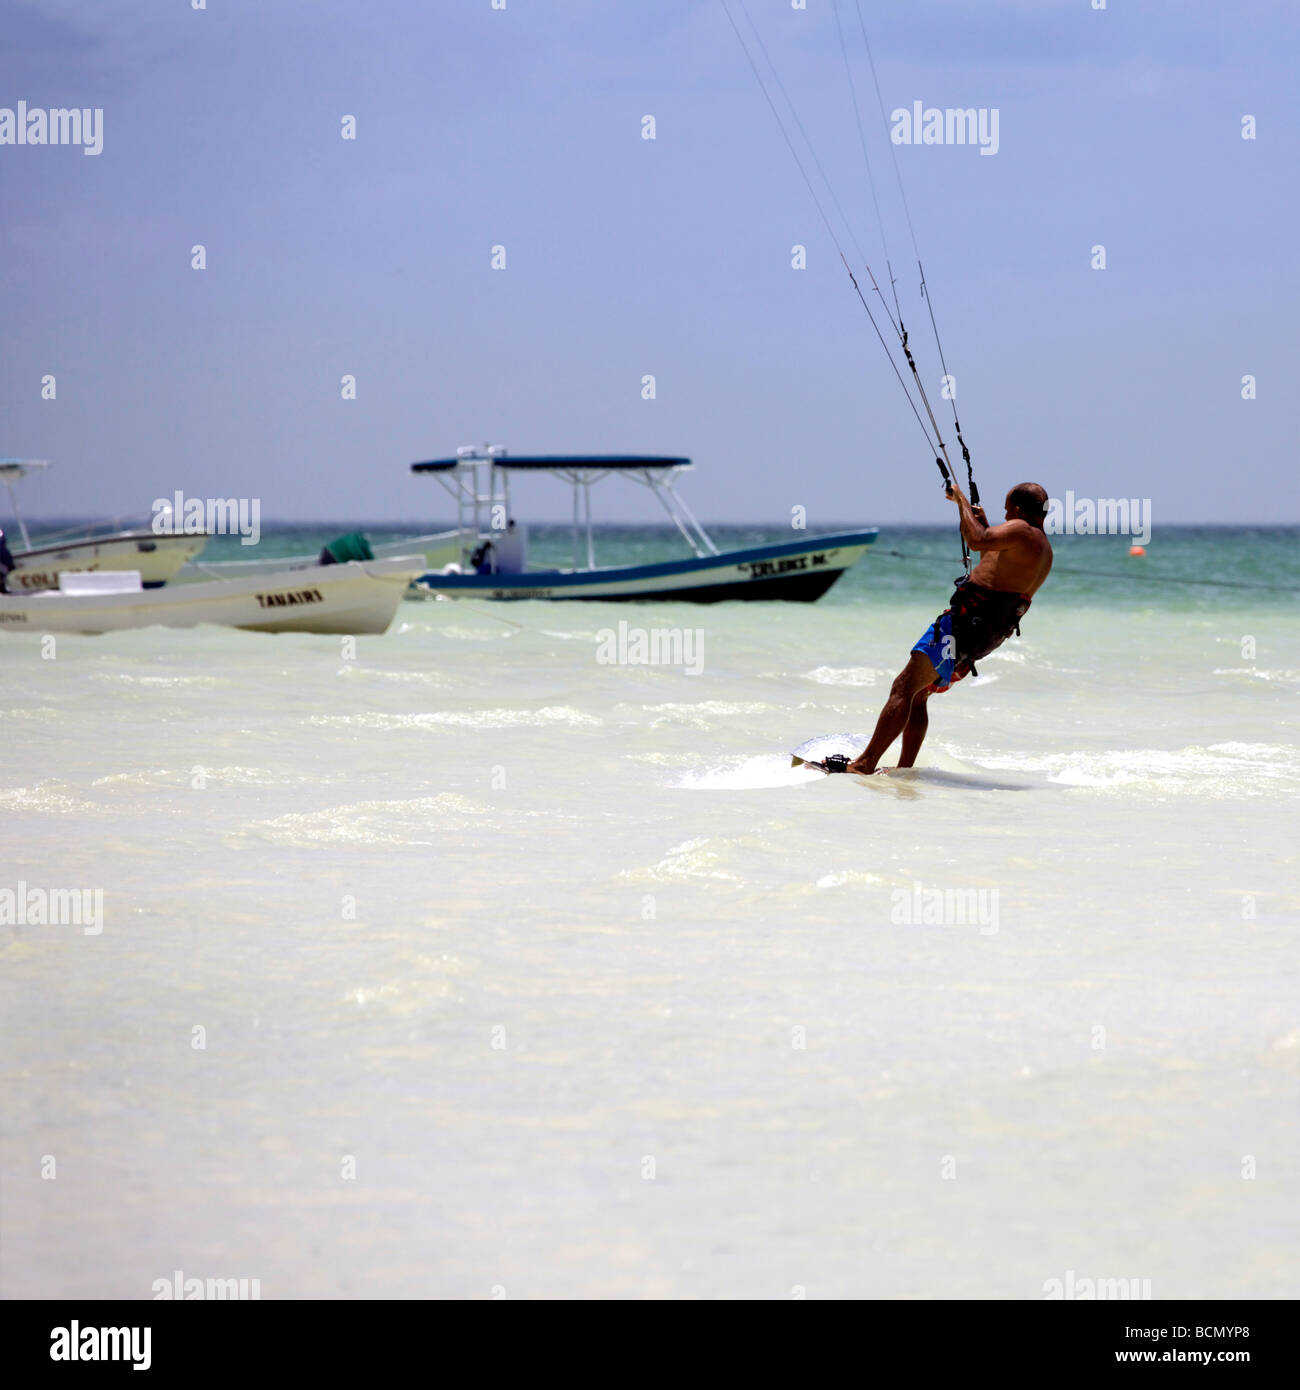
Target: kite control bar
(947,488)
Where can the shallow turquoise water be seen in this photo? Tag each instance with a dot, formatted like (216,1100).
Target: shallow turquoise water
(602,997)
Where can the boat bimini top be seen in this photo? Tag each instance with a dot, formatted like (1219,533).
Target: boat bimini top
(479,480)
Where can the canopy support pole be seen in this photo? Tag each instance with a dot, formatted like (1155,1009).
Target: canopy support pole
(679,514)
(591,547)
(690,516)
(18,516)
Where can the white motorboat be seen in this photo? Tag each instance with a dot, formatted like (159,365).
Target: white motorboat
(356,597)
(157,558)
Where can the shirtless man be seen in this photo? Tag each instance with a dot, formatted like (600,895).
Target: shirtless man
(986,609)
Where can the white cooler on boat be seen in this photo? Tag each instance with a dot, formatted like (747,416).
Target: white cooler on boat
(84,582)
(510,549)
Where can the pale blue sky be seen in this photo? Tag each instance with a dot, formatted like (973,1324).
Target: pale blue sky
(523,127)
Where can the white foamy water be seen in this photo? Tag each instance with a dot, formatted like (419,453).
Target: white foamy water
(511,930)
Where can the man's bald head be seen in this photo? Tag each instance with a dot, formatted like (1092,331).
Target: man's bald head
(1029,501)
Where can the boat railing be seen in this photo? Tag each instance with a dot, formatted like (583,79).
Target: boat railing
(225,569)
(91,531)
(387,549)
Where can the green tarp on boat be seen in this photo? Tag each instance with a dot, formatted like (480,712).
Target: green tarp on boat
(353,546)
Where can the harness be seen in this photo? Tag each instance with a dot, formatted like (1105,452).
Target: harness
(982,619)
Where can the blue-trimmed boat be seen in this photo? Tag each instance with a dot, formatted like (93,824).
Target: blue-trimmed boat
(494,563)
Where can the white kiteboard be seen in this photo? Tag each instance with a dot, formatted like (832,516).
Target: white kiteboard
(943,769)
(818,749)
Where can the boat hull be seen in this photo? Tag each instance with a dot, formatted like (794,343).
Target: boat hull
(156,558)
(355,598)
(798,571)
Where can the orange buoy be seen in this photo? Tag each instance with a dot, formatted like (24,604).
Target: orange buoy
(1137,550)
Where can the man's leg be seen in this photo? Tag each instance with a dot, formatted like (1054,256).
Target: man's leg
(919,674)
(914,732)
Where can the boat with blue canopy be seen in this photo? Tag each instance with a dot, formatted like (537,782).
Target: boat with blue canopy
(493,562)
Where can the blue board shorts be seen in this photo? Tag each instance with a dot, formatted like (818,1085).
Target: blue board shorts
(940,646)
